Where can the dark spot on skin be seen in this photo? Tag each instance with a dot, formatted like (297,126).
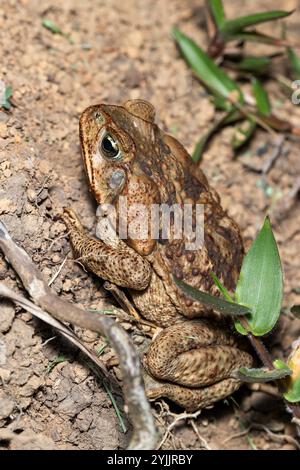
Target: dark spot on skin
(146,169)
(195,272)
(190,256)
(178,273)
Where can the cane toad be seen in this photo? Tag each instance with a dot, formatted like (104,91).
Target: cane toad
(126,154)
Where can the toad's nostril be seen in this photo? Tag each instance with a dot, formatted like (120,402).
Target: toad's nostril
(117,179)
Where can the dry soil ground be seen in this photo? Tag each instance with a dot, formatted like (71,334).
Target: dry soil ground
(119,50)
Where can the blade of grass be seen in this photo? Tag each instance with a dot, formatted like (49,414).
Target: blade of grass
(217,10)
(261,375)
(230,117)
(220,305)
(221,288)
(243,133)
(216,80)
(262,98)
(254,64)
(254,36)
(238,24)
(116,408)
(295,61)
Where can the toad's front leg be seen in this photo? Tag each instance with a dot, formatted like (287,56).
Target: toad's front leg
(118,264)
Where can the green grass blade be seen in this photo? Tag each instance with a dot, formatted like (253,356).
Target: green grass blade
(243,133)
(116,408)
(221,288)
(232,116)
(295,62)
(215,79)
(217,10)
(238,24)
(254,64)
(255,36)
(260,285)
(51,26)
(216,303)
(262,98)
(261,375)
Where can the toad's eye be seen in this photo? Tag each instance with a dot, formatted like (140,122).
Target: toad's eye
(110,148)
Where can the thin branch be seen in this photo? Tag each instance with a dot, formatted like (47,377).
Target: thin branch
(145,434)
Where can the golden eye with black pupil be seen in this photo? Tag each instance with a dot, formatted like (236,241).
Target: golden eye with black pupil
(110,148)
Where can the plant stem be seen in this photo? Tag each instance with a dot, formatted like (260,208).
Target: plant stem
(267,361)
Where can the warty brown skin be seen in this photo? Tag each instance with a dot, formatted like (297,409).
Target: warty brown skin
(192,359)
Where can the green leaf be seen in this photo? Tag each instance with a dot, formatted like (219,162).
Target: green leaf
(295,61)
(237,25)
(243,133)
(220,305)
(254,36)
(51,26)
(262,98)
(261,375)
(254,64)
(221,288)
(260,285)
(52,364)
(293,395)
(215,79)
(217,10)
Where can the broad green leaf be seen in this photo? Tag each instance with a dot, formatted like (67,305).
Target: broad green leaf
(254,64)
(243,133)
(230,117)
(216,80)
(220,305)
(51,26)
(260,285)
(261,375)
(262,98)
(217,10)
(221,288)
(295,61)
(238,24)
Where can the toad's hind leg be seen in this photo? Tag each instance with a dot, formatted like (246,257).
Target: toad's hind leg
(193,362)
